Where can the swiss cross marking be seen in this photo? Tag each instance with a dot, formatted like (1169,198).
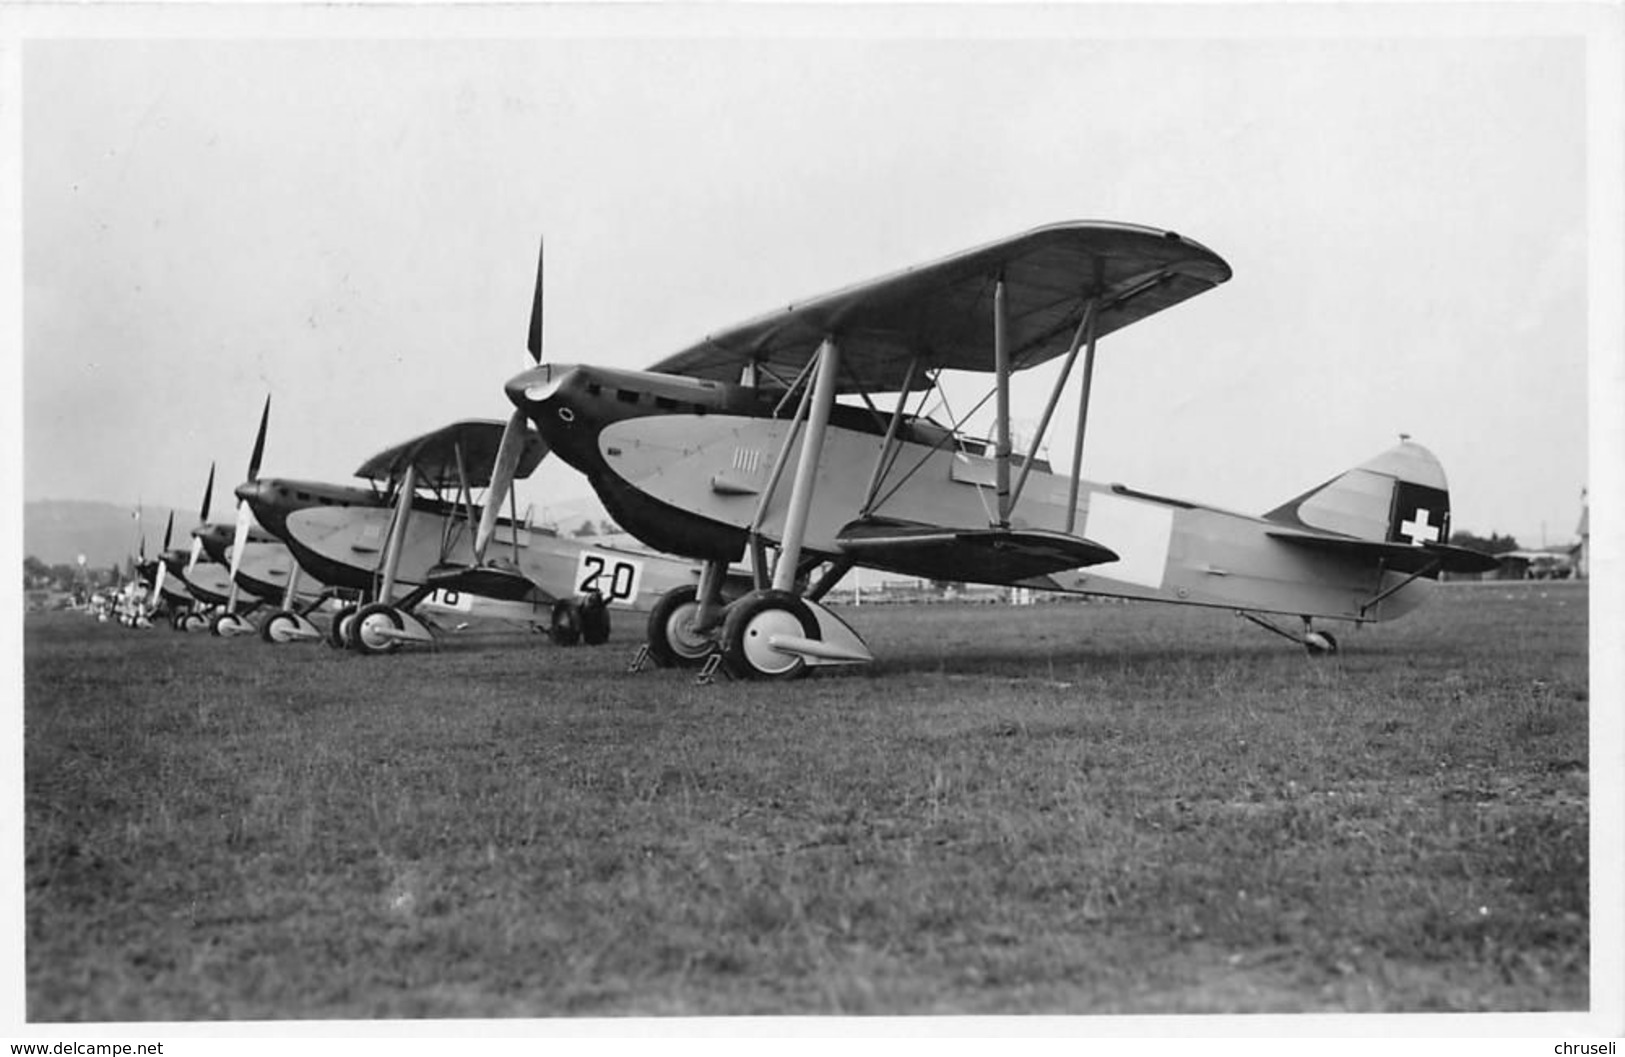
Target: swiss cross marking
(1418,530)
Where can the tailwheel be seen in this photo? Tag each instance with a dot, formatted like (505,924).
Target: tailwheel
(674,641)
(369,625)
(750,627)
(338,632)
(565,626)
(227,625)
(1320,643)
(279,627)
(594,613)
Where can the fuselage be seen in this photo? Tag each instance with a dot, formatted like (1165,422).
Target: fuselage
(339,534)
(693,467)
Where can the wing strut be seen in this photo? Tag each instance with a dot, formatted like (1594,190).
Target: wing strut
(881,462)
(1001,404)
(1086,331)
(778,471)
(801,489)
(513,519)
(1083,420)
(397,534)
(465,490)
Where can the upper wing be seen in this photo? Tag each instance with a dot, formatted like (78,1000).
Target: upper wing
(436,455)
(943,312)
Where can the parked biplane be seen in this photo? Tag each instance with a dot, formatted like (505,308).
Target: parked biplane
(739,444)
(181,586)
(169,593)
(426,533)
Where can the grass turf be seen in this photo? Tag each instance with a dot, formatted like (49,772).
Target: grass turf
(1063,808)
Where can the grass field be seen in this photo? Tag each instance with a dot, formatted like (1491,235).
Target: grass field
(1094,808)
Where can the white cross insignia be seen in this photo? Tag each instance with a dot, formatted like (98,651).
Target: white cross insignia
(1419,530)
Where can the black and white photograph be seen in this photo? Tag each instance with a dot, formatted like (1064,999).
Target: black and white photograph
(921,519)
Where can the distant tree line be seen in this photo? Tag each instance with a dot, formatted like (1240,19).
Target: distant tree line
(605,527)
(38,576)
(1495,543)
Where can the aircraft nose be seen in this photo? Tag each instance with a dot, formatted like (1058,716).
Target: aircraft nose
(538,385)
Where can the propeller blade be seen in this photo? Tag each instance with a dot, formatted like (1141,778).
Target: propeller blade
(169,529)
(158,583)
(259,442)
(508,452)
(208,493)
(535,343)
(143,551)
(238,541)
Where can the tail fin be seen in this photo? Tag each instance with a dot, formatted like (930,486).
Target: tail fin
(1399,496)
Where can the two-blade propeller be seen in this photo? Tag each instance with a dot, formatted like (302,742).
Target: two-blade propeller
(163,564)
(202,520)
(513,434)
(244,516)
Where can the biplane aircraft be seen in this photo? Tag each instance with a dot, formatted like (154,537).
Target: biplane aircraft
(167,590)
(184,587)
(243,560)
(237,581)
(421,534)
(739,444)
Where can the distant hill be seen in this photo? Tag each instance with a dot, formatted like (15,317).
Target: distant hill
(59,530)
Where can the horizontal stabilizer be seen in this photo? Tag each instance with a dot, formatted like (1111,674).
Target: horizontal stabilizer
(1400,557)
(487,581)
(988,556)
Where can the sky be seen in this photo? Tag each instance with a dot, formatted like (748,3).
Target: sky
(345,213)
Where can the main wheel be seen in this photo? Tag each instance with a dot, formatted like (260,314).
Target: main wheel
(565,627)
(673,640)
(594,620)
(227,624)
(338,632)
(751,623)
(193,621)
(277,627)
(369,622)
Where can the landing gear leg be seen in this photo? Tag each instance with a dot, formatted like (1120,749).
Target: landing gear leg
(1317,643)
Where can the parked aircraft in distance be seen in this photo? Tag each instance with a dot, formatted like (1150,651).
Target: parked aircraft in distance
(426,535)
